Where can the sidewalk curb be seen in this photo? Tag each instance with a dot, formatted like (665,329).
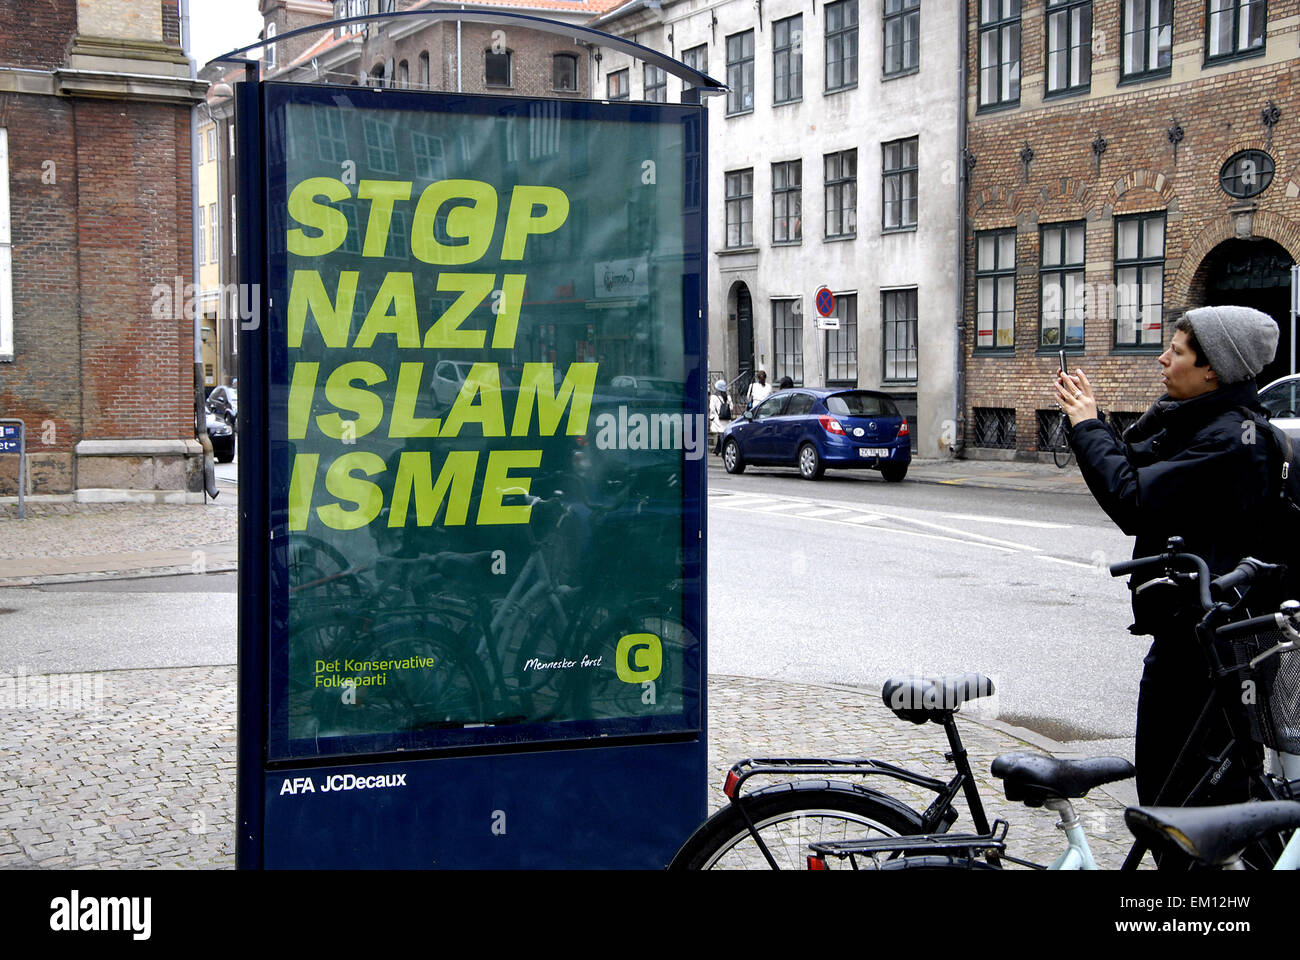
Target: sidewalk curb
(142,573)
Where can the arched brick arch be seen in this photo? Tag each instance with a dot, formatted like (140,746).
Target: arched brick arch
(991,201)
(1064,199)
(1142,178)
(1265,223)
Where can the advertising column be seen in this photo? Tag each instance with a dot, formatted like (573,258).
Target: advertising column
(482,447)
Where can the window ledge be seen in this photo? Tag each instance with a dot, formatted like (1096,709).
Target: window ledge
(788,243)
(1164,73)
(994,352)
(997,107)
(1054,95)
(850,86)
(1223,58)
(740,113)
(840,239)
(907,229)
(734,251)
(901,73)
(786,103)
(1132,350)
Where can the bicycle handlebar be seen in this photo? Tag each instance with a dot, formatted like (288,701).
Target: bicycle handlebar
(1194,568)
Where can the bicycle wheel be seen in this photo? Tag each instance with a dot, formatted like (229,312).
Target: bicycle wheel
(1062,453)
(788,821)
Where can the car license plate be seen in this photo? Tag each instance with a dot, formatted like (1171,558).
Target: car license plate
(873,451)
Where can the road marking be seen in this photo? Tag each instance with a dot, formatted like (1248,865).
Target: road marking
(1068,563)
(975,541)
(823,512)
(742,501)
(781,505)
(862,518)
(1040,524)
(966,533)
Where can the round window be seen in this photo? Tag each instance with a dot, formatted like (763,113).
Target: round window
(1246,173)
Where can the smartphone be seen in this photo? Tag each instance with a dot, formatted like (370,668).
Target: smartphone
(1061,354)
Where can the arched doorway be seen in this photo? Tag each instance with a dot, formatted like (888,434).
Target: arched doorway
(1253,273)
(740,330)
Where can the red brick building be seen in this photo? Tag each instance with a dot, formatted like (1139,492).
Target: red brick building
(1128,160)
(95,103)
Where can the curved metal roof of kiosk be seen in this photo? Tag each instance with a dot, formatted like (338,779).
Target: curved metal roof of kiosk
(678,69)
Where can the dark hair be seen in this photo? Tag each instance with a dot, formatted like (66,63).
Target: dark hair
(1185,326)
(786,383)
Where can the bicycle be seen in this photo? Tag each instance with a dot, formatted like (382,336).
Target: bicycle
(1059,444)
(759,828)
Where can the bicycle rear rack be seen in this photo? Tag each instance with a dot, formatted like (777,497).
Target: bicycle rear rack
(968,845)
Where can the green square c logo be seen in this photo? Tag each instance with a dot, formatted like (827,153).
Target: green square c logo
(639,657)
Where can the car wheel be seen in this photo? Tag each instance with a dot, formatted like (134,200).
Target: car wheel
(731,458)
(894,472)
(810,463)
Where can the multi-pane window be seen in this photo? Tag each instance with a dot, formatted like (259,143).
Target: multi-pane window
(1235,27)
(787,340)
(842,344)
(899,171)
(787,201)
(898,310)
(564,72)
(787,59)
(1069,45)
(697,58)
(1147,29)
(740,72)
(214,233)
(429,159)
(1139,279)
(210,141)
(331,138)
(403,75)
(842,193)
(740,208)
(1061,289)
(424,71)
(268,51)
(616,86)
(349,8)
(995,289)
(234,227)
(656,84)
(841,44)
(201,233)
(999,52)
(496,68)
(902,36)
(381,148)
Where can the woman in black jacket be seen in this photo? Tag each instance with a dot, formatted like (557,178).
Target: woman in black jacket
(1192,467)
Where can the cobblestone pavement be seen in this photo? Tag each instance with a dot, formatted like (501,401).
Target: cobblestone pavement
(136,768)
(82,540)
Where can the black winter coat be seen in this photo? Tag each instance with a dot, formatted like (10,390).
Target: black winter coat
(1192,469)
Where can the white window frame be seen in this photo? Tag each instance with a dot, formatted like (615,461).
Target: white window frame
(6,262)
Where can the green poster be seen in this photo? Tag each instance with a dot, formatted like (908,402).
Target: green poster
(484,450)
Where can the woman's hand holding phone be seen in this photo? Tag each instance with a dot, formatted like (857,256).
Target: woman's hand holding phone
(1074,395)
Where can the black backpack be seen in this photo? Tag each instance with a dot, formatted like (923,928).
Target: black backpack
(724,410)
(1283,518)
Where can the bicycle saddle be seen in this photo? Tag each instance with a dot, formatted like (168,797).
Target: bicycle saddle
(1033,778)
(1213,835)
(922,699)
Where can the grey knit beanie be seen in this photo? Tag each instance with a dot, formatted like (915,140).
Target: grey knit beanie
(1237,341)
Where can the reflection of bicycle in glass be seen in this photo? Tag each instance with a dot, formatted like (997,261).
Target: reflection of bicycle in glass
(545,650)
(846,822)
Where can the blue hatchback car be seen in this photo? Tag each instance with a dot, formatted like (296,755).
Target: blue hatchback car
(814,428)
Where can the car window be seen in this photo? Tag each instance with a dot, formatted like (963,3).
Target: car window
(1279,400)
(771,407)
(861,405)
(800,403)
(445,371)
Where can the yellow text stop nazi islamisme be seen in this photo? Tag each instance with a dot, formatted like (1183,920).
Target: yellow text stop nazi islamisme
(471,215)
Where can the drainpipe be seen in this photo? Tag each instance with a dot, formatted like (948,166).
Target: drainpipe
(458,53)
(963,188)
(200,414)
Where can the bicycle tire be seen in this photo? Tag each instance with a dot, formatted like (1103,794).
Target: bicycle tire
(723,842)
(1062,452)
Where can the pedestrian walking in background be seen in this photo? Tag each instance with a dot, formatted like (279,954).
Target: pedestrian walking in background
(759,390)
(785,384)
(717,423)
(1184,469)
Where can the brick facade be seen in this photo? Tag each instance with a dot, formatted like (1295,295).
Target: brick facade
(100,214)
(1219,107)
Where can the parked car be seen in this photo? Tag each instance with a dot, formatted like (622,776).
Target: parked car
(1281,399)
(222,436)
(815,428)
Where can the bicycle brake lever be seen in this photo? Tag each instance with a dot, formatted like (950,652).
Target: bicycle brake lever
(1157,582)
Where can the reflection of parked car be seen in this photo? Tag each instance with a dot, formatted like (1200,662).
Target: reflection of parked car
(222,436)
(1281,399)
(814,428)
(224,402)
(648,388)
(448,377)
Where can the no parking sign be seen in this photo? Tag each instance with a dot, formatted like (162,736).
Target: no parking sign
(825,301)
